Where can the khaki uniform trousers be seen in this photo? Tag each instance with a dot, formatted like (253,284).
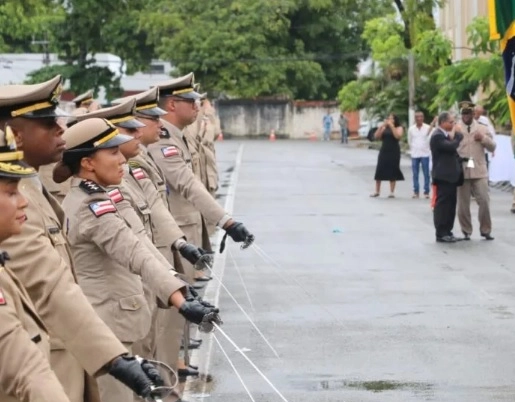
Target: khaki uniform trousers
(479,187)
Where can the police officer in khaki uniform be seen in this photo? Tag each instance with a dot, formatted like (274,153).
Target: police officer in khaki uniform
(25,373)
(476,138)
(40,256)
(209,129)
(188,199)
(84,103)
(111,262)
(164,231)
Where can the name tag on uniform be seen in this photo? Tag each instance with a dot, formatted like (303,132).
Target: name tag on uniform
(470,163)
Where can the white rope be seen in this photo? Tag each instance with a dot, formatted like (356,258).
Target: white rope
(241,278)
(243,311)
(234,368)
(250,362)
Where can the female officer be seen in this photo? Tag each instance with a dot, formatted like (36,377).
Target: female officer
(111,262)
(25,373)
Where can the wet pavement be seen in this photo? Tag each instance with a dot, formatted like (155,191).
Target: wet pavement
(355,296)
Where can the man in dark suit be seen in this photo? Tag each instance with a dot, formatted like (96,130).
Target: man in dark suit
(447,175)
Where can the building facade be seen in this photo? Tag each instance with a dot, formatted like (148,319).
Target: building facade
(453,19)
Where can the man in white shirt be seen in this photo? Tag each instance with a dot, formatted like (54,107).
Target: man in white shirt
(481,116)
(418,140)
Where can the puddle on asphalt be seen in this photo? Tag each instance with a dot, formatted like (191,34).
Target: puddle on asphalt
(202,386)
(374,386)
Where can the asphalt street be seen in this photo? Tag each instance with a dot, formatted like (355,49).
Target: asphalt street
(356,297)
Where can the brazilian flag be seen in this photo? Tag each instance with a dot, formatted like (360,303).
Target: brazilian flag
(502,26)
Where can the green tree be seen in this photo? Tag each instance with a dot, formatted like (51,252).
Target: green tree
(24,20)
(302,48)
(391,40)
(484,71)
(89,27)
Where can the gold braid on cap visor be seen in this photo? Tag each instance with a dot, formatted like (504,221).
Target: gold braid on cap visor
(109,136)
(122,119)
(145,107)
(182,91)
(31,108)
(11,156)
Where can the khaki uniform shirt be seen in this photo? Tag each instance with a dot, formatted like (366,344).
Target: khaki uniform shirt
(112,262)
(165,229)
(187,198)
(208,134)
(41,259)
(25,373)
(470,148)
(57,190)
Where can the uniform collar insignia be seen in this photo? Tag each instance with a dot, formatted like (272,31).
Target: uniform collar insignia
(90,187)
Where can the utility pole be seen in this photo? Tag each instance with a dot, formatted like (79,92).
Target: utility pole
(411,88)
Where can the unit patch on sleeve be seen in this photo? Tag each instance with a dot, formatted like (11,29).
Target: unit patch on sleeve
(115,195)
(138,173)
(90,187)
(170,151)
(102,207)
(3,302)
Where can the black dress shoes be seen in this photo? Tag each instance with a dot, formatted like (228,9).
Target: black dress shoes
(446,239)
(186,372)
(194,344)
(203,279)
(487,236)
(466,236)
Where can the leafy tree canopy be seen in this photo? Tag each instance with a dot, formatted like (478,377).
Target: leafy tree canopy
(298,48)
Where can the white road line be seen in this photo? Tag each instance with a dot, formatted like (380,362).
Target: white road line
(213,288)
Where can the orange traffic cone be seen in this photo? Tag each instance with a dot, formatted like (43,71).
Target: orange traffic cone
(220,137)
(272,135)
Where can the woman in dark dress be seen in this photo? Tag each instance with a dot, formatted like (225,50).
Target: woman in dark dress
(389,159)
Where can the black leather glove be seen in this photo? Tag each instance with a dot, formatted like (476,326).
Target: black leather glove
(238,232)
(192,295)
(139,376)
(191,252)
(194,311)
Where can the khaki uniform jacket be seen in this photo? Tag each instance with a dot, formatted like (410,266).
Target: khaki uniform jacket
(41,259)
(469,148)
(187,198)
(112,263)
(164,227)
(165,231)
(57,190)
(25,373)
(208,134)
(191,133)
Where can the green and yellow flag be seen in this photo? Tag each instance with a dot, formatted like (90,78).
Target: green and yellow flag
(502,26)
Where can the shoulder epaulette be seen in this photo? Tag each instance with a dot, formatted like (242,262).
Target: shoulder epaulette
(116,195)
(172,150)
(90,187)
(483,124)
(138,173)
(100,208)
